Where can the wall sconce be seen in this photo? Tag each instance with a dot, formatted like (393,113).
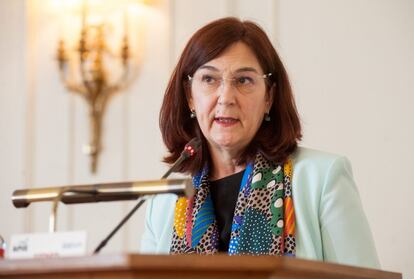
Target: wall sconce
(92,79)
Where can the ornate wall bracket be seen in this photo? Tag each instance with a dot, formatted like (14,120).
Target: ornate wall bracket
(94,85)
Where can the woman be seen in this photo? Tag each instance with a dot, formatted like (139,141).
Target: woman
(257,192)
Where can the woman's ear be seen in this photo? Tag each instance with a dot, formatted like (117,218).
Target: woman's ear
(269,97)
(189,100)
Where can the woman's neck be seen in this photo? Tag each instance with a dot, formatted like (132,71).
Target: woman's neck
(223,164)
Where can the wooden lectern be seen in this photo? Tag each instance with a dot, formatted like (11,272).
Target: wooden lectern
(183,266)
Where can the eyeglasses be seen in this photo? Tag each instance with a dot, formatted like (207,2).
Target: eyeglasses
(244,82)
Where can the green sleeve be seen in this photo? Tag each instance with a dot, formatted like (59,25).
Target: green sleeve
(346,236)
(159,220)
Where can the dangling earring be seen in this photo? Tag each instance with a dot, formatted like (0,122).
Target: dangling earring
(266,117)
(193,114)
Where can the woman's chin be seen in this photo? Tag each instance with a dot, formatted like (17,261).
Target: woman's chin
(227,143)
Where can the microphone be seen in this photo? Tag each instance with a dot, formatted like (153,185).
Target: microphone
(190,149)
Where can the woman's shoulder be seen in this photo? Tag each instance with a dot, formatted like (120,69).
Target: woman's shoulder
(316,160)
(305,155)
(316,167)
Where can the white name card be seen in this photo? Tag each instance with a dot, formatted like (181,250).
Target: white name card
(45,245)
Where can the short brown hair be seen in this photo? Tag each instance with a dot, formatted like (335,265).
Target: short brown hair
(276,139)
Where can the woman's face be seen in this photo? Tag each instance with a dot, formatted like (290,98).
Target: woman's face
(229,97)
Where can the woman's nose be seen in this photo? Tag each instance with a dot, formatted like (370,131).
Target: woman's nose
(226,92)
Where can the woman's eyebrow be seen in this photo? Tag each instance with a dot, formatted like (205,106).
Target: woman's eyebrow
(208,67)
(239,70)
(246,69)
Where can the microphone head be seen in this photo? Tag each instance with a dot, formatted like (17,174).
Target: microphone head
(191,148)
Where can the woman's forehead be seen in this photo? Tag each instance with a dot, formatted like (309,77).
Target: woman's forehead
(238,57)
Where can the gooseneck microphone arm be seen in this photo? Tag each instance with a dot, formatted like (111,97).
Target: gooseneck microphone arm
(116,229)
(189,150)
(173,167)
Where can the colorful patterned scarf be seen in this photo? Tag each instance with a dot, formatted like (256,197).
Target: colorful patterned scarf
(263,222)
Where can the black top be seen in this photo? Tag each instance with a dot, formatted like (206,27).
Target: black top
(224,194)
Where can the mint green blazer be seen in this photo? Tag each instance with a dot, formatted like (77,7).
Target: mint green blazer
(330,221)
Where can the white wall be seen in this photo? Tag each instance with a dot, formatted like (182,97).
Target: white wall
(351,65)
(12,113)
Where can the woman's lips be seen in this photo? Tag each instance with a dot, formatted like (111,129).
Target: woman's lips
(226,121)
